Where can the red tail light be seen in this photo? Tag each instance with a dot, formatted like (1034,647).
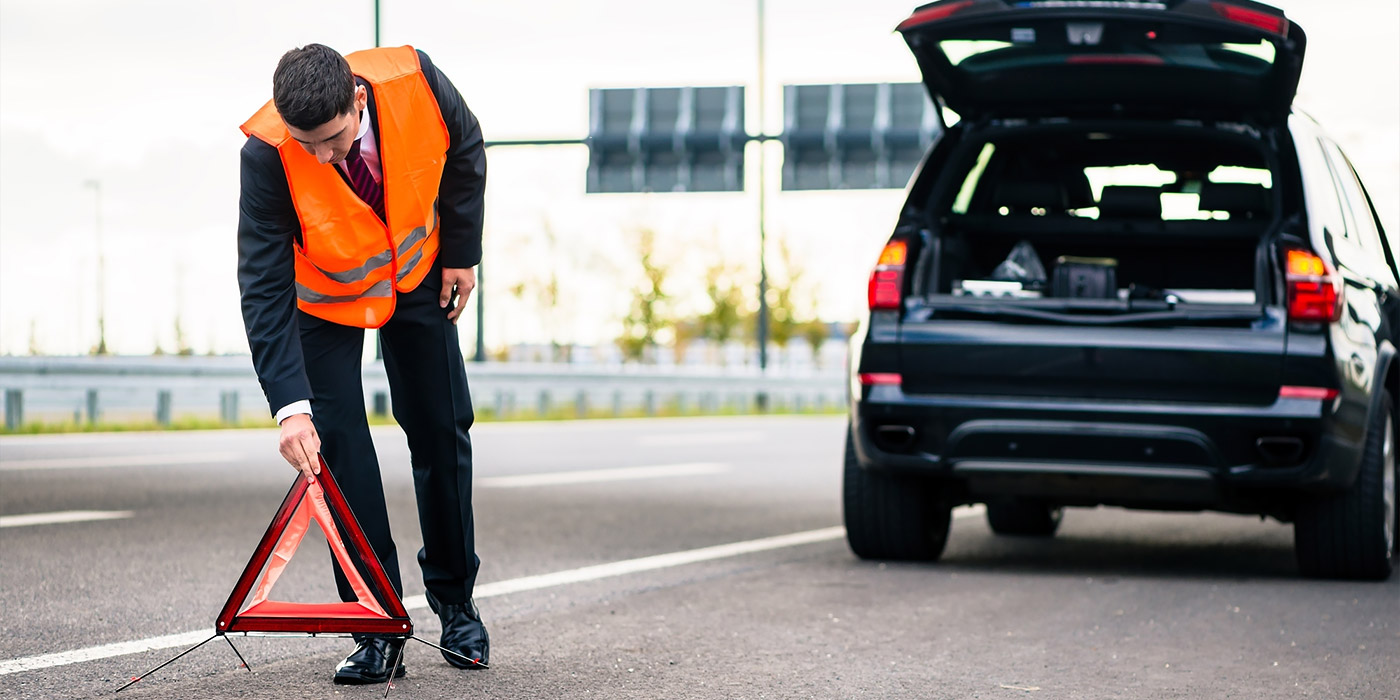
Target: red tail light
(932,14)
(880,378)
(1277,24)
(1307,392)
(887,280)
(1314,290)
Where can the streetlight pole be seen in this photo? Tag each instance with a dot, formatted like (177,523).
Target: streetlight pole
(480,355)
(762,206)
(378,342)
(96,186)
(480,316)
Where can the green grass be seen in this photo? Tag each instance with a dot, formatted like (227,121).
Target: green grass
(41,428)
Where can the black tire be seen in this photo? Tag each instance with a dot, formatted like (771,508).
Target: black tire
(892,517)
(1347,535)
(1015,516)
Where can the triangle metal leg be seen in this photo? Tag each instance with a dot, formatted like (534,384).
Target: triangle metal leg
(235,651)
(393,668)
(473,662)
(138,678)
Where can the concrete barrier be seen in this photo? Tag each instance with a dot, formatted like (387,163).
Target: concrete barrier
(224,389)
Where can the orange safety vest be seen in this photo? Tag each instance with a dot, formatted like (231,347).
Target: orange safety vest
(350,262)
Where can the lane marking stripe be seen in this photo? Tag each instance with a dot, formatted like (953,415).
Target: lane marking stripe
(106,651)
(120,461)
(600,475)
(652,563)
(66,516)
(489,590)
(688,439)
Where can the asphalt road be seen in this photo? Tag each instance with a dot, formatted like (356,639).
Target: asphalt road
(580,601)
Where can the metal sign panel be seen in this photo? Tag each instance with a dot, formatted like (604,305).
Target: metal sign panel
(666,139)
(855,136)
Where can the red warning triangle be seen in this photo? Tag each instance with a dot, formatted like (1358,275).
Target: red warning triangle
(378,610)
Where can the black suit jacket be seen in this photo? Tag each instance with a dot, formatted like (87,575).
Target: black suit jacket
(268,224)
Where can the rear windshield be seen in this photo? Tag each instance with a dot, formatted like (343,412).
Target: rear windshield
(1071,175)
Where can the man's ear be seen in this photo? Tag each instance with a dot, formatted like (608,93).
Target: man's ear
(361,98)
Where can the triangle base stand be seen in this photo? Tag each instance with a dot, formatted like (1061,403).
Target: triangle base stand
(474,662)
(177,657)
(397,659)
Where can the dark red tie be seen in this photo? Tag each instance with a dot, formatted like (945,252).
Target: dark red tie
(363,182)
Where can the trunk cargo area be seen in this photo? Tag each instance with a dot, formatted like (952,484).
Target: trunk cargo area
(1100,264)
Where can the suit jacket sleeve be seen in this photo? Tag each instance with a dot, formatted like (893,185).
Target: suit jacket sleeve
(267,226)
(463,189)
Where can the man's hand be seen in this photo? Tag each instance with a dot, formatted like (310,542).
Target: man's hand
(463,281)
(300,444)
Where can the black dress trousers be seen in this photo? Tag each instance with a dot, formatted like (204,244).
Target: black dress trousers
(428,388)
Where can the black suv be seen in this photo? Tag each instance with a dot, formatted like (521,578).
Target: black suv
(1128,273)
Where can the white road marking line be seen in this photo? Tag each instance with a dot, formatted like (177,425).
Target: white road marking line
(106,651)
(599,475)
(66,516)
(488,590)
(632,566)
(688,439)
(14,465)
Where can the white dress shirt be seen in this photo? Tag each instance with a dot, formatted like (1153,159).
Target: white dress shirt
(369,148)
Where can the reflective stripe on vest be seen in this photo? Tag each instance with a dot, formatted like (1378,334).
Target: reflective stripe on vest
(351,261)
(386,257)
(380,289)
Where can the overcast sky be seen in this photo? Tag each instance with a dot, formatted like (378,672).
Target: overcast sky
(146,96)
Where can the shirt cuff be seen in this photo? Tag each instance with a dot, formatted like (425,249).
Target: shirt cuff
(292,409)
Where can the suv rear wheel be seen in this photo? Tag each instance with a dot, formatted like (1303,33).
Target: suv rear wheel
(892,516)
(1352,534)
(1017,516)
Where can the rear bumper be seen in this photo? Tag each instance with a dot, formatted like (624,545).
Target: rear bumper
(1086,452)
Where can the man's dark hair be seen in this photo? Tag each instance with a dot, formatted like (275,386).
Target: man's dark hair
(312,85)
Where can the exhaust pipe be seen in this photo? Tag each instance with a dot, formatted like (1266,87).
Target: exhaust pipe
(1280,451)
(895,438)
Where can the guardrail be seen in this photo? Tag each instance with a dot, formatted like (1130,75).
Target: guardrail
(169,388)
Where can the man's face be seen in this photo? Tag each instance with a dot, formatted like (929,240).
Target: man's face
(330,142)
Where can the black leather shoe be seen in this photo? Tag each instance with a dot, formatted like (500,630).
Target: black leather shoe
(369,663)
(463,632)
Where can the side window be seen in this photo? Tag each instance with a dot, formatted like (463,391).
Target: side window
(1328,208)
(1385,252)
(1365,229)
(1333,158)
(1344,232)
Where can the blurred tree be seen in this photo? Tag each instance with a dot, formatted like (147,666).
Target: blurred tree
(727,304)
(648,315)
(685,331)
(816,332)
(783,324)
(542,285)
(34,337)
(182,343)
